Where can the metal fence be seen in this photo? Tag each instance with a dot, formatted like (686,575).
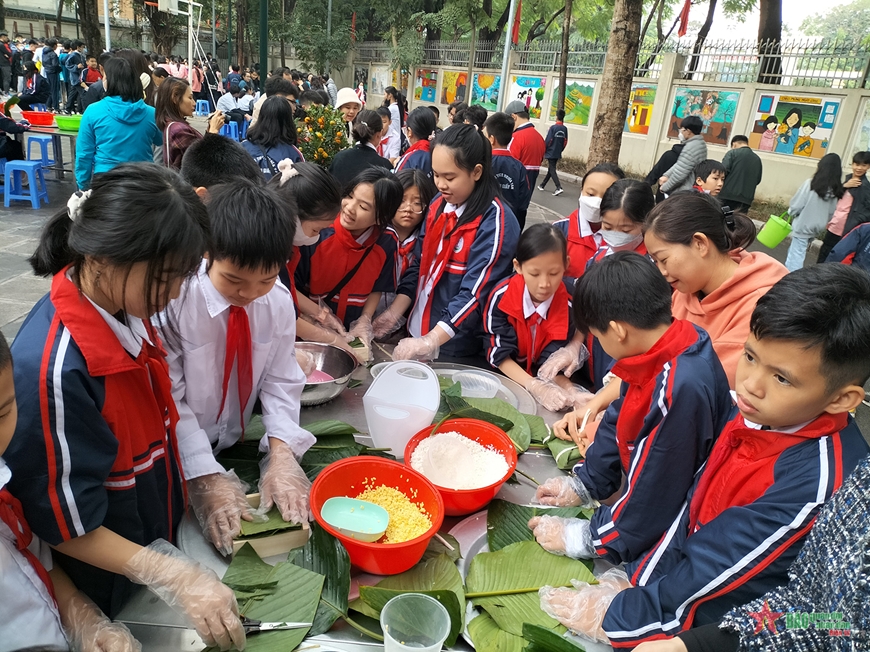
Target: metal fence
(487,54)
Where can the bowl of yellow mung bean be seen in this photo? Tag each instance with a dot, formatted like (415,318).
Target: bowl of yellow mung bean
(414,504)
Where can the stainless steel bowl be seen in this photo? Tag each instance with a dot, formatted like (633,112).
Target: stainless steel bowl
(332,360)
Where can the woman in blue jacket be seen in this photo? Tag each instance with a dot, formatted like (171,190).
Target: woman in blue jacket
(120,128)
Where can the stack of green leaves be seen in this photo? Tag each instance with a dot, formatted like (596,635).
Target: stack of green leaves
(508,523)
(564,452)
(492,410)
(272,525)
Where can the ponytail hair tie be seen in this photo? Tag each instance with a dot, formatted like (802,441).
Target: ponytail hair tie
(287,170)
(75,203)
(728,213)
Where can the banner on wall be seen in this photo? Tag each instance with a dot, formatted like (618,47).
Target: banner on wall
(485,91)
(380,79)
(795,125)
(578,101)
(530,91)
(640,107)
(453,87)
(426,85)
(716,108)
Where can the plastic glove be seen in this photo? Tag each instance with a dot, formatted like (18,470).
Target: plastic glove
(582,608)
(548,394)
(578,397)
(191,589)
(418,348)
(571,537)
(327,319)
(90,630)
(362,329)
(386,323)
(579,427)
(565,491)
(306,362)
(567,360)
(283,483)
(219,503)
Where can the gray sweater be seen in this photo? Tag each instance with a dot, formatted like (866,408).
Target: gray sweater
(680,175)
(811,213)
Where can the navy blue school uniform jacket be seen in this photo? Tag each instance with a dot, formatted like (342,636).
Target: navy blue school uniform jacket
(515,330)
(556,140)
(741,527)
(673,404)
(95,443)
(513,180)
(454,272)
(418,157)
(854,249)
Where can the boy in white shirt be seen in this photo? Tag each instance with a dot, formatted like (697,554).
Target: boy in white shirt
(236,329)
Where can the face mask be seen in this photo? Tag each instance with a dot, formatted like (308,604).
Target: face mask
(590,209)
(619,241)
(302,240)
(682,137)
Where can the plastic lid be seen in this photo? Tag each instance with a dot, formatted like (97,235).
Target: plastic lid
(477,384)
(406,383)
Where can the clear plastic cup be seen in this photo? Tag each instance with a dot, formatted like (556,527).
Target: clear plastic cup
(413,621)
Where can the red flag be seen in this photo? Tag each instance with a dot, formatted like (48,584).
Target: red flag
(684,18)
(515,34)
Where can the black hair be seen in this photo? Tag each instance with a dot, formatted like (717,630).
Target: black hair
(624,287)
(635,199)
(540,239)
(366,126)
(679,217)
(280,86)
(825,306)
(136,213)
(30,69)
(693,123)
(560,115)
(215,159)
(5,353)
(400,100)
(707,167)
(771,120)
(275,124)
(471,148)
(121,81)
(740,139)
(501,127)
(457,106)
(314,191)
(387,189)
(434,109)
(51,43)
(421,122)
(139,64)
(861,158)
(384,112)
(811,124)
(828,177)
(476,115)
(524,114)
(235,67)
(159,72)
(794,111)
(461,116)
(603,168)
(413,178)
(310,97)
(250,226)
(280,71)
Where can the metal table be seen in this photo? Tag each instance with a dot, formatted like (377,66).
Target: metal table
(56,133)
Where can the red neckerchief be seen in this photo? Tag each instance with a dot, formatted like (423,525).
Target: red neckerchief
(740,467)
(422,145)
(292,264)
(553,328)
(580,248)
(383,142)
(503,152)
(239,347)
(406,254)
(639,372)
(13,516)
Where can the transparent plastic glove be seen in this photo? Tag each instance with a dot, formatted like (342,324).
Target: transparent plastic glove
(582,608)
(578,397)
(387,323)
(283,483)
(219,503)
(90,630)
(565,491)
(361,328)
(306,362)
(548,394)
(327,319)
(564,536)
(566,360)
(418,348)
(191,589)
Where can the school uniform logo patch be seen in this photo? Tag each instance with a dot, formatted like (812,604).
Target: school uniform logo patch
(459,245)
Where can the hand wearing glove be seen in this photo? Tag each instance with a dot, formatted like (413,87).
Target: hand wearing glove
(578,397)
(567,360)
(582,608)
(327,319)
(548,394)
(418,348)
(283,483)
(387,323)
(191,589)
(362,329)
(564,536)
(578,426)
(565,491)
(219,503)
(90,630)
(306,362)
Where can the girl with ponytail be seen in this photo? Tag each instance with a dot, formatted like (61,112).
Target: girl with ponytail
(349,163)
(420,128)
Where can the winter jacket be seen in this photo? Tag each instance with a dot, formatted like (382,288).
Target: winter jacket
(853,249)
(71,64)
(50,61)
(680,175)
(743,171)
(556,140)
(860,211)
(811,213)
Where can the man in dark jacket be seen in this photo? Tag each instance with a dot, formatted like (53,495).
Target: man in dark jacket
(5,63)
(75,64)
(742,175)
(556,141)
(51,67)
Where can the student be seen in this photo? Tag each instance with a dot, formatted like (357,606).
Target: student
(709,177)
(354,261)
(509,171)
(75,64)
(452,109)
(528,316)
(92,73)
(666,160)
(395,102)
(349,163)
(437,113)
(786,450)
(853,208)
(174,104)
(556,141)
(280,86)
(419,128)
(215,159)
(679,176)
(466,246)
(36,88)
(95,459)
(474,115)
(527,144)
(234,103)
(743,170)
(273,138)
(384,112)
(673,403)
(624,209)
(812,207)
(97,90)
(233,312)
(853,249)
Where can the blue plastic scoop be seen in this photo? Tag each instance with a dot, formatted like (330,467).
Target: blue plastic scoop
(357,519)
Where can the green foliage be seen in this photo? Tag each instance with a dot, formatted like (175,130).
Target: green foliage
(508,523)
(845,22)
(321,135)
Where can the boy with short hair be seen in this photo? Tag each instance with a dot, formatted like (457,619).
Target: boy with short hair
(556,141)
(508,170)
(743,170)
(215,159)
(236,313)
(785,452)
(709,177)
(92,72)
(673,403)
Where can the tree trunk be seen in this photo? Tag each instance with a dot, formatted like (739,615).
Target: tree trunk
(57,18)
(646,24)
(164,30)
(769,38)
(616,82)
(283,53)
(469,82)
(563,61)
(2,14)
(699,42)
(241,29)
(90,23)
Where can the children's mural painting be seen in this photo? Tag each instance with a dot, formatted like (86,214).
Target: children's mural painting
(453,86)
(485,91)
(426,85)
(716,108)
(578,101)
(640,107)
(794,125)
(530,91)
(380,79)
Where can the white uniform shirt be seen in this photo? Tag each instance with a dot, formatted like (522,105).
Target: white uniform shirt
(28,615)
(394,144)
(197,372)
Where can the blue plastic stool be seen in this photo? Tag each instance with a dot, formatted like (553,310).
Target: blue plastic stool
(33,170)
(202,107)
(44,141)
(38,107)
(230,130)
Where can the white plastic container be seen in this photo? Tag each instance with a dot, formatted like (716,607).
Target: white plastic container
(401,401)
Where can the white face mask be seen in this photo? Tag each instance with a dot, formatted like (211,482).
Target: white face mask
(302,240)
(619,241)
(682,136)
(590,209)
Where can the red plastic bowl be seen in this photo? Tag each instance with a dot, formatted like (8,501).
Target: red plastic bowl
(345,478)
(39,118)
(459,502)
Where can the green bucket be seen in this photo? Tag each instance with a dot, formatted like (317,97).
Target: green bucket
(777,228)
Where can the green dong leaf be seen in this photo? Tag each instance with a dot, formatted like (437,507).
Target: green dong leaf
(508,523)
(542,639)
(324,554)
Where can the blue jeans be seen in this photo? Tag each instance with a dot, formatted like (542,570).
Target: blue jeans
(797,253)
